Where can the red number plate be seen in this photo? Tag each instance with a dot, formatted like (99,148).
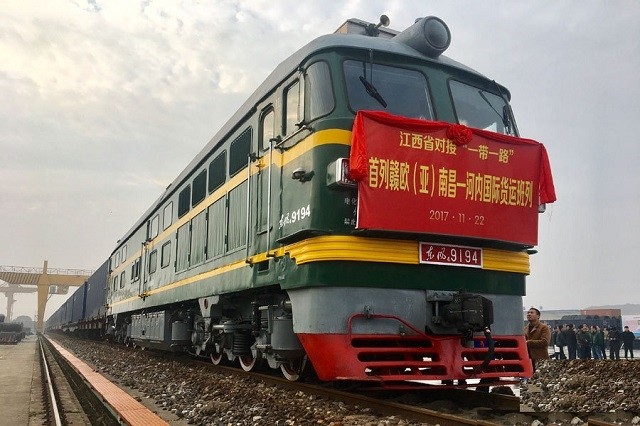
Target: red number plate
(444,254)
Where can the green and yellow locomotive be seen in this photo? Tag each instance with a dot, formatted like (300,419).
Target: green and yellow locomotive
(272,247)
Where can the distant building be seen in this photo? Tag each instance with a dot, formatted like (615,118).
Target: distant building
(602,312)
(552,315)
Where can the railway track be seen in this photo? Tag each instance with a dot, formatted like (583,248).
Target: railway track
(69,398)
(213,390)
(382,404)
(388,407)
(52,403)
(76,395)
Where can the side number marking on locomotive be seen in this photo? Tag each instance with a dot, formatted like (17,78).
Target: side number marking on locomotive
(295,215)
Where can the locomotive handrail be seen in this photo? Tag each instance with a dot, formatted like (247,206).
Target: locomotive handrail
(279,144)
(369,315)
(269,198)
(144,253)
(250,159)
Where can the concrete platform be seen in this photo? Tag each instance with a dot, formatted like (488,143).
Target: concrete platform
(20,384)
(126,408)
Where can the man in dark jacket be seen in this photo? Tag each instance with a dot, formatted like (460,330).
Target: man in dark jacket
(614,343)
(627,339)
(561,341)
(584,342)
(570,338)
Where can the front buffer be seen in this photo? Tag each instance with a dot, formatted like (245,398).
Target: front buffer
(391,339)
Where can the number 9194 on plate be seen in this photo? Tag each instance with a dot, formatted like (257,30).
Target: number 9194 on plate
(445,254)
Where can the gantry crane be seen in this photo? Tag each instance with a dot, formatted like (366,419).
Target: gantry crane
(19,279)
(10,290)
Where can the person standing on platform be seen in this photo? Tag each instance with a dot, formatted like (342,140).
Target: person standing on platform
(538,336)
(614,343)
(561,341)
(584,342)
(572,342)
(554,344)
(597,345)
(627,340)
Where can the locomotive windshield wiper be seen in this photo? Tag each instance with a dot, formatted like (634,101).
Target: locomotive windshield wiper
(507,111)
(373,92)
(504,116)
(368,85)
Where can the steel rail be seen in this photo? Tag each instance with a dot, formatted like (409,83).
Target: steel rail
(379,406)
(52,394)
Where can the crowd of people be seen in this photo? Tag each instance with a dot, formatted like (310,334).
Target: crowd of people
(582,342)
(591,342)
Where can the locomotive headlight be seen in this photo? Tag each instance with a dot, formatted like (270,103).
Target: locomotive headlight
(429,36)
(301,175)
(298,173)
(338,174)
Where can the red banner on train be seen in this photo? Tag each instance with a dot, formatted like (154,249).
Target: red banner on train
(448,179)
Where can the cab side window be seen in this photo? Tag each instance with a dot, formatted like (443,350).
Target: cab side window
(239,152)
(199,188)
(267,127)
(184,201)
(218,171)
(167,215)
(318,91)
(292,108)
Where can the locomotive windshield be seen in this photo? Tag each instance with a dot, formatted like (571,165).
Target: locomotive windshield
(481,109)
(396,90)
(405,92)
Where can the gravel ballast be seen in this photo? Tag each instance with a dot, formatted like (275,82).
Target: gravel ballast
(561,392)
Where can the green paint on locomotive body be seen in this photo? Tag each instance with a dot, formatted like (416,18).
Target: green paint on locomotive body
(305,209)
(413,277)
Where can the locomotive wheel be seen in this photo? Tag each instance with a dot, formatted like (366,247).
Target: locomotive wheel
(294,369)
(247,362)
(291,369)
(216,358)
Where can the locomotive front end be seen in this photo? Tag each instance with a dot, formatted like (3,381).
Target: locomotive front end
(370,209)
(423,224)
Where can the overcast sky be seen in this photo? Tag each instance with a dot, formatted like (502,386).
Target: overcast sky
(102,104)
